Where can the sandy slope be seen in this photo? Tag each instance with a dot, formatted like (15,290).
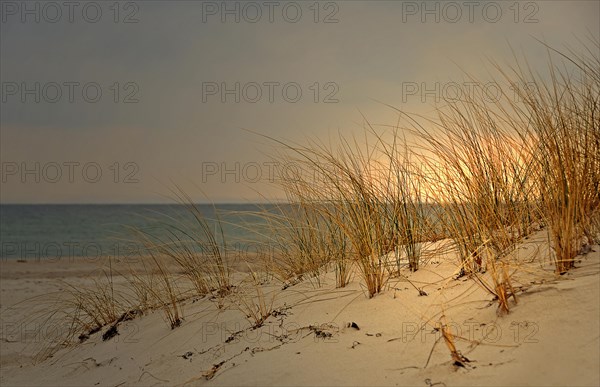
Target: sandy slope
(551,337)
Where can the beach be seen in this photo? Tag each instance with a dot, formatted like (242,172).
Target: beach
(323,335)
(352,193)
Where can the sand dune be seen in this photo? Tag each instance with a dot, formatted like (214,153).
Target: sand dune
(328,336)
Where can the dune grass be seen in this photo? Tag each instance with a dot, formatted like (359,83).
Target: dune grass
(197,245)
(565,130)
(253,302)
(369,203)
(483,174)
(302,240)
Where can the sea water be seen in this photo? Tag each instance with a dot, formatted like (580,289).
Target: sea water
(37,232)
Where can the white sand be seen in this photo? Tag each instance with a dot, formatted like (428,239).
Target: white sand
(551,337)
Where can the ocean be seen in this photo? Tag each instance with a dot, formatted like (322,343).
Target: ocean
(51,232)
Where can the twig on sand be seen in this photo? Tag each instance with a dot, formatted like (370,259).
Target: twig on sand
(209,374)
(159,379)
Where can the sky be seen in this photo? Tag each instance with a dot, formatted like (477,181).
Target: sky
(119,102)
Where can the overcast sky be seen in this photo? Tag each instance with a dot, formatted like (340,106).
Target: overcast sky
(107,102)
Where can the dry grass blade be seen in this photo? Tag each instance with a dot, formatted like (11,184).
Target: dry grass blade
(256,307)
